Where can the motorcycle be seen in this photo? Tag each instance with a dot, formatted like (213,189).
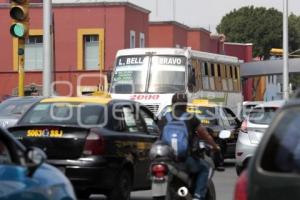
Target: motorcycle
(171,180)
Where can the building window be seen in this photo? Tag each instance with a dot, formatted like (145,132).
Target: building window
(34,53)
(90,49)
(91,52)
(142,40)
(132,39)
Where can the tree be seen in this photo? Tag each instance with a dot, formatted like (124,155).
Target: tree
(294,33)
(260,26)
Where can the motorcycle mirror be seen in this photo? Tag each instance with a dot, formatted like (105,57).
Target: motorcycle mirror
(224,134)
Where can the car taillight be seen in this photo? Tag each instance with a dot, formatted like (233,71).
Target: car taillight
(94,144)
(159,170)
(241,187)
(244,127)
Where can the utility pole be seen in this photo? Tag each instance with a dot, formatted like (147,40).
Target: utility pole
(47,50)
(285,51)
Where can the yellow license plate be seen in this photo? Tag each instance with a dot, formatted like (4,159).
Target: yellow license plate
(44,133)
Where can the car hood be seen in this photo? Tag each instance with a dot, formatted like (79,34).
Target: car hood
(45,173)
(8,121)
(15,183)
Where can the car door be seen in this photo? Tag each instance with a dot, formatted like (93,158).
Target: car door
(152,134)
(140,142)
(274,172)
(231,123)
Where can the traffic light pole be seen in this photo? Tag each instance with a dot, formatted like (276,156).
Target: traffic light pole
(21,45)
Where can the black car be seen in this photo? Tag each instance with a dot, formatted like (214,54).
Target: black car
(274,171)
(217,118)
(100,144)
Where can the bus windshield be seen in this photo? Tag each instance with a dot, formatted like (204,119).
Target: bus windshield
(130,74)
(166,74)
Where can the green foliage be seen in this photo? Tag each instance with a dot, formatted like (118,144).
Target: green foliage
(260,26)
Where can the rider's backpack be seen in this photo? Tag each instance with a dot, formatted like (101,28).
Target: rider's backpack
(176,134)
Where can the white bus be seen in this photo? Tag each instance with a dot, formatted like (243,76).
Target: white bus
(152,75)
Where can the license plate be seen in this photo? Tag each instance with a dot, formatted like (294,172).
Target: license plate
(159,189)
(44,133)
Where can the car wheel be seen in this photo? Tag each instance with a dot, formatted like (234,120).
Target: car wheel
(122,188)
(82,194)
(211,191)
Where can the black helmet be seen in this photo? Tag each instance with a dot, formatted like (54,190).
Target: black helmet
(179,101)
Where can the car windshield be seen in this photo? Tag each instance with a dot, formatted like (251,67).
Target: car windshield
(167,74)
(262,115)
(65,114)
(10,107)
(247,109)
(130,74)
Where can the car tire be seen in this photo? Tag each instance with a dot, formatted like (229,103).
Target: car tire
(211,191)
(122,188)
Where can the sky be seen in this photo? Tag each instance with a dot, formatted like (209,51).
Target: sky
(204,13)
(197,13)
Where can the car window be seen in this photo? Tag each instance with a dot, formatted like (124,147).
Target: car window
(65,113)
(262,115)
(282,153)
(14,107)
(150,123)
(230,116)
(132,123)
(206,115)
(5,157)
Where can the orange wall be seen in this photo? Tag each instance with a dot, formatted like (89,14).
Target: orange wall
(160,36)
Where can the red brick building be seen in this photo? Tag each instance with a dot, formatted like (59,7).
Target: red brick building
(80,31)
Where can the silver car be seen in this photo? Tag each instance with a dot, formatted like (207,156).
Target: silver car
(252,130)
(13,108)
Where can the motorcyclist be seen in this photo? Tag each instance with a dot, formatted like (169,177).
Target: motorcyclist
(198,167)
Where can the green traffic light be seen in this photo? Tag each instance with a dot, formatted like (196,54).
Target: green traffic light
(17,30)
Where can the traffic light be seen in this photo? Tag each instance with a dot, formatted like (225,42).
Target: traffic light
(19,13)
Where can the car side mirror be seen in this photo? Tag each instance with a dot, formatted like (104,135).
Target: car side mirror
(35,158)
(224,134)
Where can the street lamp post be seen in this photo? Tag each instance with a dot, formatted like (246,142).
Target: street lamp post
(285,51)
(47,29)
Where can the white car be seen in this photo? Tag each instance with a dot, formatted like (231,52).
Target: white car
(247,107)
(252,130)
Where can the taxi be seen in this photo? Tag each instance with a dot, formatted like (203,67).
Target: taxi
(217,118)
(99,143)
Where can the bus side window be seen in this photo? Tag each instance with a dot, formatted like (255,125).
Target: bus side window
(218,78)
(205,78)
(212,76)
(224,78)
(198,80)
(235,78)
(229,77)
